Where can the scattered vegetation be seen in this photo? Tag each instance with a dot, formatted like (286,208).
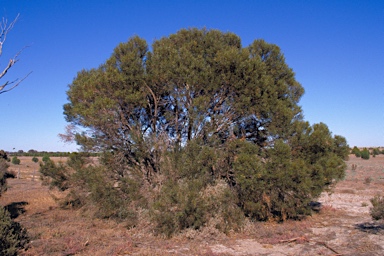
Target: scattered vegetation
(12,236)
(365,153)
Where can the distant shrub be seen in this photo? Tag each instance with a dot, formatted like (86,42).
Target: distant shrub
(12,236)
(375,152)
(377,210)
(35,159)
(15,160)
(365,154)
(46,158)
(356,151)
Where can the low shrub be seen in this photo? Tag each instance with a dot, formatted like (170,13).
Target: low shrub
(15,160)
(91,186)
(45,158)
(189,205)
(377,209)
(12,236)
(365,154)
(356,151)
(375,152)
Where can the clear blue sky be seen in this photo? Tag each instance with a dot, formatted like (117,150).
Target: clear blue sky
(336,49)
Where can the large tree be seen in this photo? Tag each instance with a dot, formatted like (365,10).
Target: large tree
(201,93)
(196,84)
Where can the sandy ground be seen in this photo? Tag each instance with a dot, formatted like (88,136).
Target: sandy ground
(343,226)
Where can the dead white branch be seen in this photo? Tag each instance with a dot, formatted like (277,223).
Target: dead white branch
(4,30)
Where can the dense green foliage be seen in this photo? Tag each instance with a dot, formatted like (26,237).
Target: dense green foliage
(356,151)
(3,171)
(375,152)
(15,160)
(365,154)
(35,159)
(198,129)
(46,158)
(12,236)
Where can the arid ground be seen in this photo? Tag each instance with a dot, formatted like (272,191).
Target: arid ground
(342,227)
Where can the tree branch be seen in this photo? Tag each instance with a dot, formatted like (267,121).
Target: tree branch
(15,82)
(4,30)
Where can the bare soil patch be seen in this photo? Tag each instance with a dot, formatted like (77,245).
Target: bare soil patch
(342,227)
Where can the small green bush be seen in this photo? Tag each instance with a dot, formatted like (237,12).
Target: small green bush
(377,210)
(35,159)
(375,152)
(15,160)
(356,151)
(46,158)
(12,236)
(365,154)
(91,186)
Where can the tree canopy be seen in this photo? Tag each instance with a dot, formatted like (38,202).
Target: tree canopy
(196,84)
(199,105)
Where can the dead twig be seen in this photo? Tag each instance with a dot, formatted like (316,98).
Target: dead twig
(296,239)
(329,248)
